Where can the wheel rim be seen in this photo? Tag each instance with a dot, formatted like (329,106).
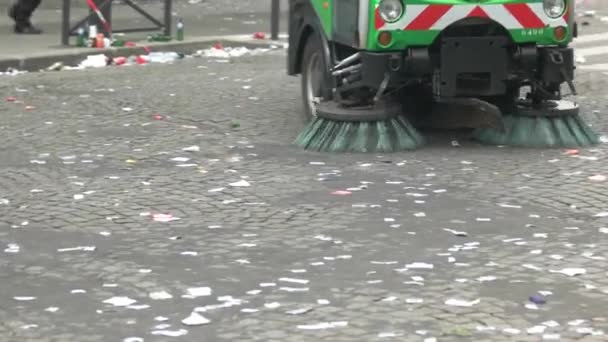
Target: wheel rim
(314,84)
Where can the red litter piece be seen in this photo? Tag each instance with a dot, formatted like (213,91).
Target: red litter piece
(572,152)
(147,49)
(140,60)
(259,35)
(218,46)
(158,117)
(341,193)
(11,99)
(120,60)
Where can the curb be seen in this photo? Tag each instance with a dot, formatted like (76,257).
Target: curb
(73,56)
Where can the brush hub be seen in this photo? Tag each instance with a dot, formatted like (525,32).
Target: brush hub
(549,108)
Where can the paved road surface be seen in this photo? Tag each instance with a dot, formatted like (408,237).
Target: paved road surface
(111,231)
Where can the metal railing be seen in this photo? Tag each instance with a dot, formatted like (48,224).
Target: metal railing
(105,7)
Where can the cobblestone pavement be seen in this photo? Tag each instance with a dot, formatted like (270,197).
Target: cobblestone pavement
(166,202)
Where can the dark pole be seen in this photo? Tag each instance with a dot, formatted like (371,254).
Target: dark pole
(168,17)
(65,23)
(274,19)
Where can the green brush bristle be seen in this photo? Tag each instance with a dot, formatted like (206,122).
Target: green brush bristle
(541,131)
(360,141)
(379,136)
(384,138)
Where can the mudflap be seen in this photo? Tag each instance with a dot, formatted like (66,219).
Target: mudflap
(459,113)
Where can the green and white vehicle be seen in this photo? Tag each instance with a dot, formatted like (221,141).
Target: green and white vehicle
(444,62)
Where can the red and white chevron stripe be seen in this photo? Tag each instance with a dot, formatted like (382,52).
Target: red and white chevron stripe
(438,17)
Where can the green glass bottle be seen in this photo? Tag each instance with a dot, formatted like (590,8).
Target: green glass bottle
(180,30)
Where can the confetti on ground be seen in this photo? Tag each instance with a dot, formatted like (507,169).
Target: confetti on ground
(170,333)
(164,218)
(195,319)
(571,272)
(461,302)
(120,301)
(419,265)
(195,292)
(77,249)
(324,325)
(160,295)
(241,183)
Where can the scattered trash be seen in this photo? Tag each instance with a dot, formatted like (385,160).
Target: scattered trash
(191,149)
(598,178)
(572,272)
(170,333)
(241,183)
(160,295)
(461,302)
(164,218)
(324,325)
(572,152)
(259,35)
(195,292)
(195,319)
(95,61)
(12,248)
(120,301)
(538,299)
(341,193)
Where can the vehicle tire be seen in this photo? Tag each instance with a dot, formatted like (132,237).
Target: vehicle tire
(315,81)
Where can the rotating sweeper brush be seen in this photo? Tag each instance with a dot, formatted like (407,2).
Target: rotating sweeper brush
(372,68)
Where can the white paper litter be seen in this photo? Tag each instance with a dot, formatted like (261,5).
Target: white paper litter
(299,311)
(537,329)
(24,298)
(551,337)
(133,339)
(164,218)
(229,52)
(414,300)
(160,295)
(94,61)
(241,183)
(570,271)
(191,149)
(461,302)
(272,305)
(486,278)
(419,265)
(195,292)
(120,301)
(511,331)
(12,248)
(79,248)
(195,319)
(324,325)
(294,280)
(455,232)
(170,333)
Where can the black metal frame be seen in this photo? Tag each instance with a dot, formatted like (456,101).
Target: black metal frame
(105,7)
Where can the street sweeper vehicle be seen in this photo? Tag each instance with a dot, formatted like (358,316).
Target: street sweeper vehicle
(375,72)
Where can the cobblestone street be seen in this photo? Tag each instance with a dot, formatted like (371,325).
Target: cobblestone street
(166,202)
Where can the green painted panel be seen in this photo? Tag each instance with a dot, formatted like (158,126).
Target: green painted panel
(324,9)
